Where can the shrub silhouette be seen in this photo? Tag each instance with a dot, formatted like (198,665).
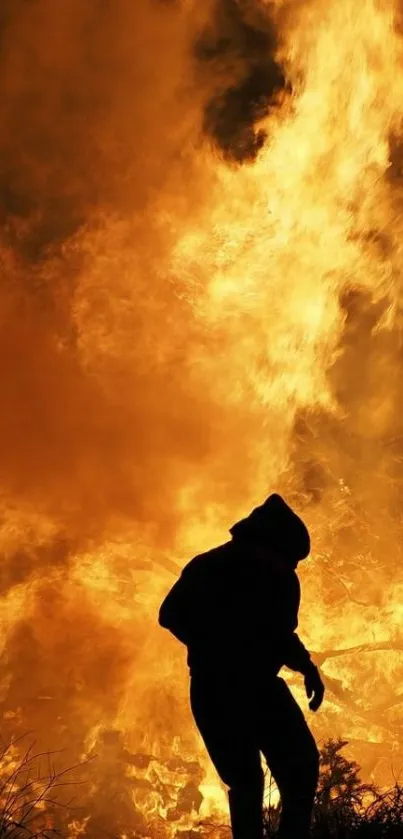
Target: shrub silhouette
(345,807)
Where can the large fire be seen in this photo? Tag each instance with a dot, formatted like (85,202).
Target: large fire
(201,226)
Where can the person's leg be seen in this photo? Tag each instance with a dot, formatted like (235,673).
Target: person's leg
(226,729)
(292,757)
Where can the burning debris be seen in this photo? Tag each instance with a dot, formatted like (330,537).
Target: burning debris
(141,794)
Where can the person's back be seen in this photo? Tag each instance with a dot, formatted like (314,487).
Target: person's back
(241,609)
(236,609)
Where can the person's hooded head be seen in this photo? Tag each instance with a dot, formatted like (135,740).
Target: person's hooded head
(275,527)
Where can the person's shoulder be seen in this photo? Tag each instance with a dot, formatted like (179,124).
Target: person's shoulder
(205,560)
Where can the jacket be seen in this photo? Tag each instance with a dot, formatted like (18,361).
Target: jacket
(236,611)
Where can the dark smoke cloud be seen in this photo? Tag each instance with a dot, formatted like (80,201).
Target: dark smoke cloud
(241,47)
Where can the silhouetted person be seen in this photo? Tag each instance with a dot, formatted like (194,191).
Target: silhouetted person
(236,609)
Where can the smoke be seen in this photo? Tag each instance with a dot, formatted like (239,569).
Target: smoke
(241,44)
(94,132)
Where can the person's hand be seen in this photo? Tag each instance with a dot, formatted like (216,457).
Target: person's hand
(315,689)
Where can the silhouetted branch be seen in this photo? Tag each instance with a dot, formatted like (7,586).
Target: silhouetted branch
(26,793)
(376,646)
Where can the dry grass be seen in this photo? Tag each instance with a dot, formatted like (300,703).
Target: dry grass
(33,793)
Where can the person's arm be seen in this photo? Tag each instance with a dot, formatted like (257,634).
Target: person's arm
(297,657)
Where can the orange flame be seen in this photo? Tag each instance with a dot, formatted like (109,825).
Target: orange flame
(182,332)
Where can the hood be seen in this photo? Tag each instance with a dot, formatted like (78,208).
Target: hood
(276,523)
